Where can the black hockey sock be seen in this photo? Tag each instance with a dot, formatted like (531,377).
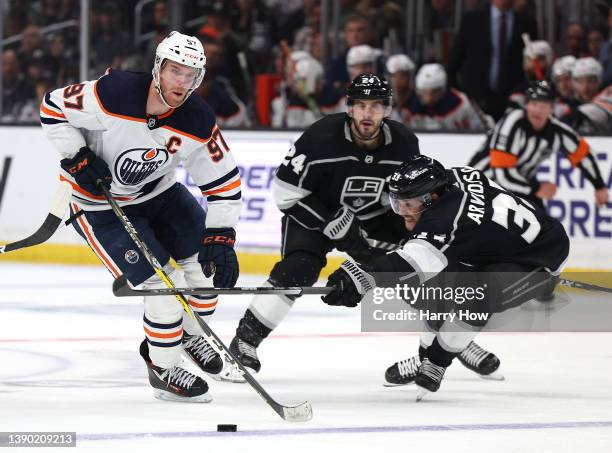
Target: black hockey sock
(422,353)
(251,330)
(440,356)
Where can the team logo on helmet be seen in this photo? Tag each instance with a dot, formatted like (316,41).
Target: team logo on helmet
(135,165)
(361,192)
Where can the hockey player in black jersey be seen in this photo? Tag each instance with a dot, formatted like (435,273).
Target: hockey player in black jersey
(524,138)
(332,189)
(458,220)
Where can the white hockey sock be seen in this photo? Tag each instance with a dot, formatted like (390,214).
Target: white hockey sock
(270,309)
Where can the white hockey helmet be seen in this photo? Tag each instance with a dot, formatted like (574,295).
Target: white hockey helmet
(298,55)
(309,71)
(430,77)
(588,66)
(185,50)
(399,62)
(363,54)
(538,49)
(563,65)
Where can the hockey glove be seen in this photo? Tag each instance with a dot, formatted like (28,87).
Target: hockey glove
(350,284)
(345,232)
(86,168)
(217,256)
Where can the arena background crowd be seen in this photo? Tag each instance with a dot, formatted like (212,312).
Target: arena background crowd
(454,65)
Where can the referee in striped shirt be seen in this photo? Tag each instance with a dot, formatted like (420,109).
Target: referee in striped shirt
(525,137)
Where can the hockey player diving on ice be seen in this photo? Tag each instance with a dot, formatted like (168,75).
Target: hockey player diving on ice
(459,225)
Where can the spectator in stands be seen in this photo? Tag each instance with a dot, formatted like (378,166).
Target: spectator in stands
(385,17)
(304,96)
(401,70)
(17,90)
(254,27)
(306,37)
(356,32)
(565,101)
(594,114)
(438,108)
(217,90)
(537,60)
(575,43)
(61,63)
(32,46)
(486,58)
(595,39)
(111,45)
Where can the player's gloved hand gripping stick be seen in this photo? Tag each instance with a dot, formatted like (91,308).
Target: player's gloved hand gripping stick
(301,412)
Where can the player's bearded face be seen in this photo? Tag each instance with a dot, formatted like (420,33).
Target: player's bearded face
(368,115)
(175,81)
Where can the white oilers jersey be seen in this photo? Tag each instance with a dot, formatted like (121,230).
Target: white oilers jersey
(452,113)
(109,116)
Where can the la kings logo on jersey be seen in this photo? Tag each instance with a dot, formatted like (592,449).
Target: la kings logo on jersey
(135,165)
(361,192)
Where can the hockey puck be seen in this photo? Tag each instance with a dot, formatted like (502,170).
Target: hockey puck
(227,428)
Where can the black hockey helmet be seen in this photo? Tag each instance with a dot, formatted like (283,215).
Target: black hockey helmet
(540,90)
(369,86)
(417,178)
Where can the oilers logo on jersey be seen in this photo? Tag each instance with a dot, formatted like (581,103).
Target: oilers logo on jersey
(135,165)
(361,192)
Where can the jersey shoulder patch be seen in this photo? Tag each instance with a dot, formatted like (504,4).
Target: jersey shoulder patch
(123,93)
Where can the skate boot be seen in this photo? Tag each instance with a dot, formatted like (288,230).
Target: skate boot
(246,353)
(176,383)
(202,354)
(429,378)
(481,362)
(402,372)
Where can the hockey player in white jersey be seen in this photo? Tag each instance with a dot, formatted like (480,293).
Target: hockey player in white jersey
(131,130)
(438,108)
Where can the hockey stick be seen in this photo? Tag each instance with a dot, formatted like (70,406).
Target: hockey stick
(300,413)
(60,203)
(582,285)
(122,289)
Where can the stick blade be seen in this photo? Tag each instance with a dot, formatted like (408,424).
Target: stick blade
(300,413)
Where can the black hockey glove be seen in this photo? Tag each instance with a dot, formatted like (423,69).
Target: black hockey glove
(86,168)
(350,284)
(343,228)
(217,256)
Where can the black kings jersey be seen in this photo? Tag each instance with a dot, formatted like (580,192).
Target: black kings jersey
(478,223)
(326,170)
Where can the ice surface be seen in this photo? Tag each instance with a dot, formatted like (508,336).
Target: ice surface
(69,362)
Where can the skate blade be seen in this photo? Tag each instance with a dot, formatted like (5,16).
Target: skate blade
(494,376)
(232,375)
(421,393)
(389,384)
(167,396)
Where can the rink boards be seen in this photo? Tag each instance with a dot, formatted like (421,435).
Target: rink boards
(28,176)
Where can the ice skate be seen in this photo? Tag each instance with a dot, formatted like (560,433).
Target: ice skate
(482,362)
(428,379)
